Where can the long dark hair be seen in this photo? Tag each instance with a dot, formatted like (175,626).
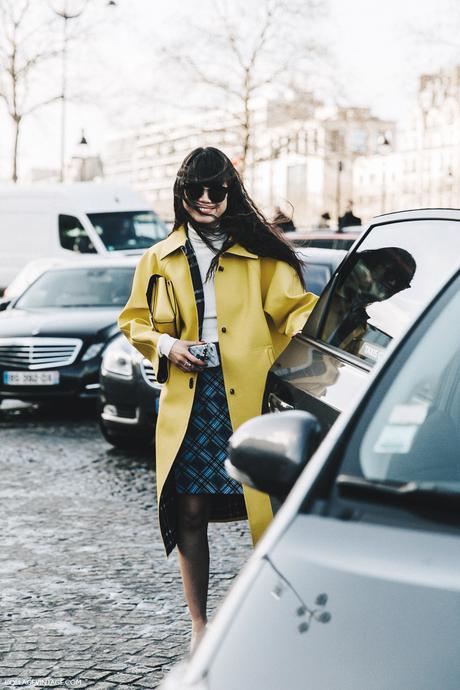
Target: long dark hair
(242,221)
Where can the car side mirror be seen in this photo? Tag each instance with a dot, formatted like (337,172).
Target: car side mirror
(4,303)
(269,452)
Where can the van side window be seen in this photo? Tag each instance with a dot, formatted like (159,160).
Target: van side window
(73,236)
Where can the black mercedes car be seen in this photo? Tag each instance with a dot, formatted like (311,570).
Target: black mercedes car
(386,280)
(129,396)
(53,335)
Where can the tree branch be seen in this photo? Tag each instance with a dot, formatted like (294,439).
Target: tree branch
(41,104)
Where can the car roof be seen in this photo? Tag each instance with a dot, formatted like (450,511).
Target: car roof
(323,235)
(90,197)
(319,254)
(418,214)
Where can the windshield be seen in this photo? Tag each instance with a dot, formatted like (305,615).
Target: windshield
(79,287)
(414,436)
(124,230)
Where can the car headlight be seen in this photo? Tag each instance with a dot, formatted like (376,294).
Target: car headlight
(117,361)
(92,351)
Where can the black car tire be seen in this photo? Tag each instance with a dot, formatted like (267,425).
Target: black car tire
(126,441)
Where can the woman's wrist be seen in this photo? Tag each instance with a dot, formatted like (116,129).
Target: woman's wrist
(165,344)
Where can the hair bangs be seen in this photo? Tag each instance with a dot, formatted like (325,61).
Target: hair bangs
(208,165)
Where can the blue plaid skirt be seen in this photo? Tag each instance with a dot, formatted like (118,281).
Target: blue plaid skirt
(199,464)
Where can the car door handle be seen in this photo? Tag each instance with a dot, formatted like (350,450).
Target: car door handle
(275,404)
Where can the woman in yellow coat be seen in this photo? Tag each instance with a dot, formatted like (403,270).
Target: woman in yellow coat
(226,277)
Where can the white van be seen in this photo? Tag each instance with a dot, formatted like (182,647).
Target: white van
(65,220)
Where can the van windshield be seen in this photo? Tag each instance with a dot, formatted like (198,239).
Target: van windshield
(125,230)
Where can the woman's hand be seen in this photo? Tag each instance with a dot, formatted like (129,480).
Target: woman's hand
(183,359)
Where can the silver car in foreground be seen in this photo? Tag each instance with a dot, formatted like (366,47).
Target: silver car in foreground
(356,585)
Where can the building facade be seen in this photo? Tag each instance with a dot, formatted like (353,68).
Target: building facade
(301,157)
(307,164)
(420,165)
(310,159)
(149,157)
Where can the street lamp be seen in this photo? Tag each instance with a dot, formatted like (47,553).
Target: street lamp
(339,190)
(67,10)
(385,147)
(83,150)
(450,185)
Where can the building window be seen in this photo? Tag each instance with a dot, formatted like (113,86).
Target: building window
(358,140)
(333,141)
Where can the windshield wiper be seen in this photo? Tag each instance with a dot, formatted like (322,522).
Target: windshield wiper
(421,494)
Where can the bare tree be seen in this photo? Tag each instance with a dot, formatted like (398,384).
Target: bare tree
(241,51)
(31,41)
(26,47)
(432,36)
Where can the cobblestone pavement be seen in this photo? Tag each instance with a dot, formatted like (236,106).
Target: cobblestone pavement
(88,599)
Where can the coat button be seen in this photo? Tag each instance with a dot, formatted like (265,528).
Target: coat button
(223,329)
(232,391)
(190,383)
(221,268)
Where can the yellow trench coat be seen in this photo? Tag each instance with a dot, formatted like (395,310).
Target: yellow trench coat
(260,305)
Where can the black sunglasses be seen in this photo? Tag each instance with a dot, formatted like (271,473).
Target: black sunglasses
(216,192)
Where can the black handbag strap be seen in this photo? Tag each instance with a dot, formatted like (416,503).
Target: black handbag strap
(197,283)
(149,292)
(163,368)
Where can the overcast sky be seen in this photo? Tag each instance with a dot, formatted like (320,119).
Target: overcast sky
(378,57)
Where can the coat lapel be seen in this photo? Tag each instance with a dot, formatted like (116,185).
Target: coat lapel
(174,241)
(238,250)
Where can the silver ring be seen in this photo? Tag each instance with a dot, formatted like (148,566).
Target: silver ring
(188,364)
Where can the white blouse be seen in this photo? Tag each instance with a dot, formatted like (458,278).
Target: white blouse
(204,256)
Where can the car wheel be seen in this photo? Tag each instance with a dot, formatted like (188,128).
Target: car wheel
(126,441)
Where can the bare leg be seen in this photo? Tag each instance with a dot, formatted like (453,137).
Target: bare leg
(192,543)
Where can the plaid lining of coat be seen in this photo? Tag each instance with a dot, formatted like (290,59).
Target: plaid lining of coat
(200,468)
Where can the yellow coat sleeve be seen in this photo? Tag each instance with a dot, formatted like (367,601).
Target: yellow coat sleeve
(134,321)
(286,302)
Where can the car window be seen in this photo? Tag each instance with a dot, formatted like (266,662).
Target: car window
(384,285)
(124,230)
(73,236)
(415,433)
(316,276)
(79,287)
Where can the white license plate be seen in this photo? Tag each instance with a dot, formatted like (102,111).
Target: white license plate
(30,378)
